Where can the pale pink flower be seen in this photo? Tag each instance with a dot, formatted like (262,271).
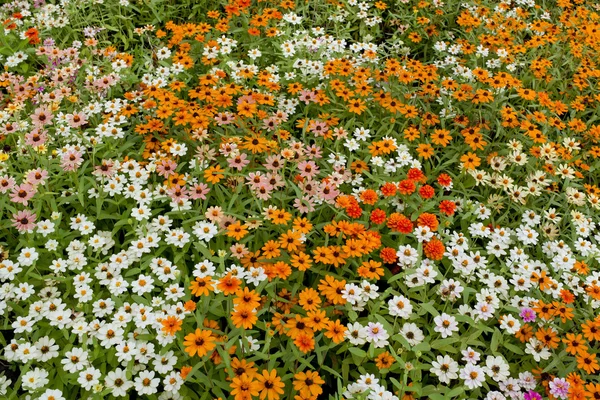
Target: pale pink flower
(42,116)
(37,176)
(239,161)
(178,193)
(24,220)
(77,119)
(6,183)
(36,138)
(308,169)
(199,191)
(71,160)
(166,168)
(22,193)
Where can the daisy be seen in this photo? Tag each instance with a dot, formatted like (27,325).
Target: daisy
(399,306)
(445,324)
(496,368)
(412,333)
(356,334)
(377,334)
(89,378)
(473,375)
(445,368)
(470,356)
(146,383)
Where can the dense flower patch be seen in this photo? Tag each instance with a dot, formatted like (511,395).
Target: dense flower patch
(301,200)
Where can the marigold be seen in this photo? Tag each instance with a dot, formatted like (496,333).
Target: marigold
(434,249)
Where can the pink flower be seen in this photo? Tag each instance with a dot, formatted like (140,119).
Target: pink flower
(225,118)
(41,116)
(239,161)
(313,151)
(263,191)
(166,168)
(273,163)
(270,123)
(199,191)
(105,169)
(319,128)
(304,205)
(71,160)
(178,193)
(77,119)
(24,220)
(307,96)
(37,176)
(22,193)
(527,314)
(6,183)
(328,192)
(308,169)
(36,138)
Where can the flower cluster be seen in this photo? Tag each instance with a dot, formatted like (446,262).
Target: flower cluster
(266,203)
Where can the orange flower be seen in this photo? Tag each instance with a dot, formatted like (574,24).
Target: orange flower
(308,383)
(587,362)
(425,150)
(243,387)
(470,161)
(171,325)
(305,341)
(199,342)
(290,240)
(214,174)
(202,286)
(309,299)
(357,106)
(335,331)
(229,284)
(575,344)
(591,330)
(236,230)
(429,220)
(434,249)
(243,316)
(270,385)
(370,270)
(548,337)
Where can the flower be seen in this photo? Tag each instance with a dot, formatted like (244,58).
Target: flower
(473,376)
(445,324)
(199,342)
(269,385)
(445,368)
(24,220)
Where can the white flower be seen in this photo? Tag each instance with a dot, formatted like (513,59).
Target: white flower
(35,379)
(473,375)
(75,360)
(412,333)
(399,306)
(356,334)
(28,256)
(445,324)
(256,275)
(117,381)
(51,394)
(496,368)
(445,368)
(144,284)
(377,334)
(470,356)
(89,377)
(146,383)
